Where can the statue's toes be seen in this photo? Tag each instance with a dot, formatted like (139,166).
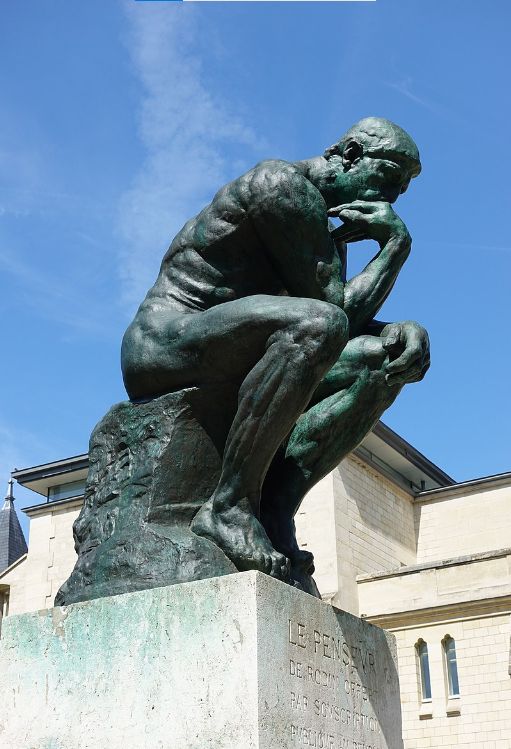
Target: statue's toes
(304,561)
(264,563)
(281,566)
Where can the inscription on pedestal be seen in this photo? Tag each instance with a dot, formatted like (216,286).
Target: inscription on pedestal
(333,683)
(236,662)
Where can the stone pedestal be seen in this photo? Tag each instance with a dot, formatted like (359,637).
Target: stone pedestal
(236,662)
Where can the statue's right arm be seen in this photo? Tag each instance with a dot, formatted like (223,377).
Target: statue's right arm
(289,216)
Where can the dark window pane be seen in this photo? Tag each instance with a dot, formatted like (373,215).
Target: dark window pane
(422,650)
(64,491)
(452,667)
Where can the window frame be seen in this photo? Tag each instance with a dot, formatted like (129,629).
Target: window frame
(422,653)
(451,667)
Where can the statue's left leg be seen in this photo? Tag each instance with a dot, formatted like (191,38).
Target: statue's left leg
(346,405)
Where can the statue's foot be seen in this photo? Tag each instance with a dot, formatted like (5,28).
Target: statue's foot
(281,531)
(242,538)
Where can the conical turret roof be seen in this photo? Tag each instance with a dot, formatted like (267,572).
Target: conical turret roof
(12,540)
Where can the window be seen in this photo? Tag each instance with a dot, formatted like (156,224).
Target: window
(64,491)
(423,658)
(451,667)
(4,603)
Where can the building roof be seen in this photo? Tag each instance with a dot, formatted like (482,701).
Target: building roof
(12,540)
(40,478)
(390,454)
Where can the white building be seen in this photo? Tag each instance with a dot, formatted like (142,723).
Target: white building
(396,541)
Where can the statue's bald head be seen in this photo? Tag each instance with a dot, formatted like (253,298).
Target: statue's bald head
(380,137)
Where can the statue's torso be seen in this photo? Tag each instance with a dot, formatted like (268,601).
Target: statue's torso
(219,256)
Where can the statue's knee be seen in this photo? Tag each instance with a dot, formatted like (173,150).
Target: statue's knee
(338,326)
(325,330)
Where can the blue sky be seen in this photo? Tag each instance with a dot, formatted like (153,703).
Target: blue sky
(119,120)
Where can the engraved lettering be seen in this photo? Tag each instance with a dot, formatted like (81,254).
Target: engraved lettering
(293,642)
(299,701)
(317,640)
(302,637)
(311,737)
(346,654)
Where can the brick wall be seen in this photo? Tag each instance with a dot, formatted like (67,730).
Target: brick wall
(483,516)
(382,533)
(49,562)
(484,719)
(374,529)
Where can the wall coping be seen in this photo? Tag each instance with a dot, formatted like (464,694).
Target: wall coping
(412,569)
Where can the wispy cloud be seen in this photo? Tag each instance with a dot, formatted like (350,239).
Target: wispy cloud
(186,131)
(404,86)
(66,296)
(16,447)
(20,448)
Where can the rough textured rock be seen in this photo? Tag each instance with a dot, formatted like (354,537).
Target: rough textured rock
(152,465)
(251,295)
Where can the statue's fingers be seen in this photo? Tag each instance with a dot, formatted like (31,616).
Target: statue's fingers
(335,210)
(395,379)
(413,374)
(406,360)
(347,233)
(364,206)
(356,236)
(392,340)
(425,367)
(349,214)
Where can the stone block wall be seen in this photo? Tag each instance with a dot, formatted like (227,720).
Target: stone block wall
(50,559)
(482,514)
(355,522)
(382,534)
(481,717)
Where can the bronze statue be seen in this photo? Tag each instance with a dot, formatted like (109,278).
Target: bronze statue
(252,302)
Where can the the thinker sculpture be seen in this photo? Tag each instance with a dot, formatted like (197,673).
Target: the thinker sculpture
(253,367)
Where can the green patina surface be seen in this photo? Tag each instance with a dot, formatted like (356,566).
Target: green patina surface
(254,366)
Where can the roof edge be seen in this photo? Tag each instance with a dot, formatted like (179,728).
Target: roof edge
(408,451)
(56,467)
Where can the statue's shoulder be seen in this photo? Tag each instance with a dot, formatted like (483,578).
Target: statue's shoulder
(275,179)
(275,171)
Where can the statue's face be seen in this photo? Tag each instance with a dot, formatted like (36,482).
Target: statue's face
(375,176)
(379,176)
(375,164)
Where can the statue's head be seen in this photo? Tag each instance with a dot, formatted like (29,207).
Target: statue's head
(374,160)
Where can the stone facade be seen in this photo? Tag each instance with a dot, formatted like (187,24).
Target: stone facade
(355,521)
(481,716)
(36,578)
(425,565)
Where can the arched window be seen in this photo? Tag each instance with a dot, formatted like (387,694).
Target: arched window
(451,666)
(423,658)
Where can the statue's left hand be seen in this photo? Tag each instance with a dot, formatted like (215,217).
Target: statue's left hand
(407,344)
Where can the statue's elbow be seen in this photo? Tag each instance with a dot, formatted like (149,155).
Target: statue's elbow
(129,360)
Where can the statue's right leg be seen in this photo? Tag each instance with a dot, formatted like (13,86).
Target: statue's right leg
(275,351)
(286,363)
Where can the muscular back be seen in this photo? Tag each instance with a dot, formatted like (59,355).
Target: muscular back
(226,253)
(264,233)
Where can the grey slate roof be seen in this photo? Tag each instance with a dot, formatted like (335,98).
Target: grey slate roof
(12,540)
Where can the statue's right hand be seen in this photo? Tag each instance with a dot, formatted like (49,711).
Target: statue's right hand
(377,220)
